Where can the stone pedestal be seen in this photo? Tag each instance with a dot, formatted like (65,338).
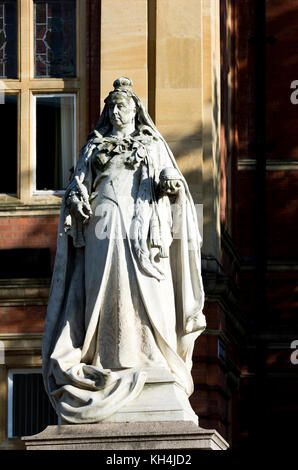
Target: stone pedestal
(159,418)
(171,435)
(161,399)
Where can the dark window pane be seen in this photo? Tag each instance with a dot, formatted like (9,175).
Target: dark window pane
(31,409)
(55,28)
(29,263)
(54,141)
(41,66)
(8,126)
(8,39)
(40,12)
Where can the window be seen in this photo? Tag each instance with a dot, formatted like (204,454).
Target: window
(29,408)
(9,127)
(42,78)
(8,39)
(55,143)
(55,45)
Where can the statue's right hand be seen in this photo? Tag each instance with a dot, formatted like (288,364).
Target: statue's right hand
(79,208)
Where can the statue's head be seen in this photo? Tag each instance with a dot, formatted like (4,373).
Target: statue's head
(123,106)
(120,102)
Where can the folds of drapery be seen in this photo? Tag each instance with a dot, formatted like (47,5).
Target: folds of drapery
(114,388)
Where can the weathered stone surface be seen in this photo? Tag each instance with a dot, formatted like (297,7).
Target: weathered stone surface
(126,436)
(132,301)
(161,399)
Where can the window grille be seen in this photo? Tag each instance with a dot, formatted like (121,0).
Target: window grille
(29,408)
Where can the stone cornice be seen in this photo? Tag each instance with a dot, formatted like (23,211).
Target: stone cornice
(249,164)
(29,210)
(23,344)
(24,292)
(278,265)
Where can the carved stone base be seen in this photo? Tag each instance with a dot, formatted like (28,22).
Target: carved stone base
(159,418)
(127,436)
(160,400)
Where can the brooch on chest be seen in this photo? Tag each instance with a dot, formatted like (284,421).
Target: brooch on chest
(133,149)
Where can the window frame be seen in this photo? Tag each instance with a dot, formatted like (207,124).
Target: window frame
(34,159)
(26,86)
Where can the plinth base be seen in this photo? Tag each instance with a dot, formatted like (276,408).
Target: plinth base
(174,435)
(160,400)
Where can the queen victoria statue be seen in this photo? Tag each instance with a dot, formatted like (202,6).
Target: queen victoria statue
(126,298)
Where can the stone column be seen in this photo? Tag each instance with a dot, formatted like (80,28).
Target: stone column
(178,88)
(184,91)
(124,45)
(211,129)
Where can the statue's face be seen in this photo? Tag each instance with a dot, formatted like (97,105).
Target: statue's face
(121,111)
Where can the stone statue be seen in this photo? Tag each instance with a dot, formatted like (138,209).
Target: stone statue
(126,298)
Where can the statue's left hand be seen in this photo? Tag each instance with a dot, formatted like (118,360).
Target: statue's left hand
(170,186)
(170,181)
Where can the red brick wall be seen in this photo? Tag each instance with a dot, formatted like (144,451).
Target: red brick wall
(28,232)
(20,319)
(282,57)
(268,384)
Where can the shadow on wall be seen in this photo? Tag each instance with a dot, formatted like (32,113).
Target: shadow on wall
(281,124)
(198,156)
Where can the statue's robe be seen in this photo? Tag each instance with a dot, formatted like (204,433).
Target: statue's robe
(109,319)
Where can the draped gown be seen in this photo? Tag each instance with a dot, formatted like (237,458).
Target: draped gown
(108,320)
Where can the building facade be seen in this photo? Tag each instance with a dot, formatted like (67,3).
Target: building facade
(216,77)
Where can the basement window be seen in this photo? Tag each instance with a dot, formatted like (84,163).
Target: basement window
(29,408)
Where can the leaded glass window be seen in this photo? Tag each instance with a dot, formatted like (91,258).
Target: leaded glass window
(55,38)
(8,39)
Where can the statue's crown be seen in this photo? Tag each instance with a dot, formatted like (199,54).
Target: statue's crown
(123,84)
